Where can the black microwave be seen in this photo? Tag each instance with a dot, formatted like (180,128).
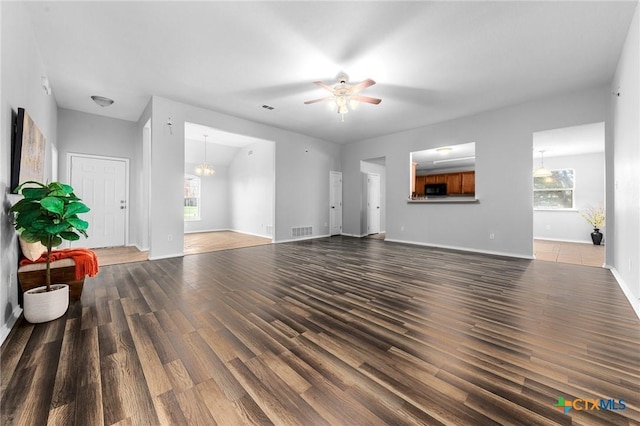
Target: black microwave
(435,189)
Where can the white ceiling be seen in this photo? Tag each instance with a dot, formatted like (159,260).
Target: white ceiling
(461,156)
(432,61)
(585,139)
(222,146)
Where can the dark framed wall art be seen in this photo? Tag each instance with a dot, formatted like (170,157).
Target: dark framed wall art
(28,150)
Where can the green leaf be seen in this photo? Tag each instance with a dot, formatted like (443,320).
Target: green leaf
(52,204)
(30,237)
(57,228)
(70,236)
(56,241)
(61,188)
(34,193)
(76,207)
(79,224)
(25,204)
(21,186)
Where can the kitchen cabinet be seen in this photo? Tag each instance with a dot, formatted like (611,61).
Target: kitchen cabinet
(458,183)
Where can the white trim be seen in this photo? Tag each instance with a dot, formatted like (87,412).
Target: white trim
(564,240)
(313,237)
(491,252)
(139,248)
(166,256)
(344,234)
(635,303)
(126,182)
(8,326)
(208,230)
(253,234)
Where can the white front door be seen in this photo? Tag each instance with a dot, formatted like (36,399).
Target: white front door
(101,183)
(335,203)
(373,203)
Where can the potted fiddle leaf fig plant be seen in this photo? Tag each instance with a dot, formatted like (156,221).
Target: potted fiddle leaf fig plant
(48,213)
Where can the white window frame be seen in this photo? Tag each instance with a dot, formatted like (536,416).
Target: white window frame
(572,189)
(197,197)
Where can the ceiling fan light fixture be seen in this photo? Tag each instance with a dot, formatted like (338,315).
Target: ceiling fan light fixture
(102,101)
(344,95)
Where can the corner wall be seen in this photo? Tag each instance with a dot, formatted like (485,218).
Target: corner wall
(625,109)
(21,68)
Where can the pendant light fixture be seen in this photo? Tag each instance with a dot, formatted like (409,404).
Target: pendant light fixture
(203,168)
(542,171)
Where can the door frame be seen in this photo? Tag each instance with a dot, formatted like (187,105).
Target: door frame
(333,173)
(70,156)
(369,209)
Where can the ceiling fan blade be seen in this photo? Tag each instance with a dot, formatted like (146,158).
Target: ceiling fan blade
(363,85)
(324,85)
(328,98)
(366,99)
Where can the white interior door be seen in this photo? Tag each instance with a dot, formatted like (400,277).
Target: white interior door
(101,183)
(335,201)
(373,203)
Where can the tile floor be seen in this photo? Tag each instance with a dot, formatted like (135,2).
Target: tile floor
(563,252)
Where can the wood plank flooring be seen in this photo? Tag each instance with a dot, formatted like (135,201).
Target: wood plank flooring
(339,331)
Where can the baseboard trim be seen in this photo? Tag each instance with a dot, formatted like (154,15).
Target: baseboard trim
(252,234)
(312,237)
(491,252)
(11,321)
(561,240)
(208,230)
(353,235)
(166,256)
(635,303)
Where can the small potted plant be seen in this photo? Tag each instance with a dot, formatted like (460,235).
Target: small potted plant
(48,213)
(595,217)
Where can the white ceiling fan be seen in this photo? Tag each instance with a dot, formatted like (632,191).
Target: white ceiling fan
(345,95)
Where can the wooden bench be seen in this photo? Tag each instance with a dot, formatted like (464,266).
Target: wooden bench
(62,271)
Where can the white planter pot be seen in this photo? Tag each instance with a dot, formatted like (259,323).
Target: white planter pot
(42,306)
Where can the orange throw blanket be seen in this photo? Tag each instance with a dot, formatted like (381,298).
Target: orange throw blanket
(86,260)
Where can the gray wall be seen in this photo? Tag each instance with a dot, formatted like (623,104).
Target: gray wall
(588,192)
(302,178)
(503,187)
(21,68)
(625,156)
(214,201)
(252,189)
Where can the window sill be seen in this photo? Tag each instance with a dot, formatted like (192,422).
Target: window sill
(555,210)
(444,200)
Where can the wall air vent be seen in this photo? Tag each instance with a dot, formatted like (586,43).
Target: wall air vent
(302,231)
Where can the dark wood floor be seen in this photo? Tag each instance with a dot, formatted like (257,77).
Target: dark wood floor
(340,331)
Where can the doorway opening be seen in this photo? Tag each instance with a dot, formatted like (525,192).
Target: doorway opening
(373,210)
(569,185)
(238,197)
